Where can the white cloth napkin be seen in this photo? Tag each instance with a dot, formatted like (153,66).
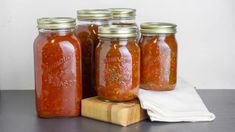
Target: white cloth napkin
(181,104)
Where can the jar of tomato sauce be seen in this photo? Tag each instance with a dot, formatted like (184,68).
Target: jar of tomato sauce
(87,33)
(57,63)
(158,56)
(117,63)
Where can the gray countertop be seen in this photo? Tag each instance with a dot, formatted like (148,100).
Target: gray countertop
(17,114)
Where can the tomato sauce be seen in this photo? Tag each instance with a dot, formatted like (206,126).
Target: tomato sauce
(117,68)
(88,37)
(87,33)
(159,61)
(57,61)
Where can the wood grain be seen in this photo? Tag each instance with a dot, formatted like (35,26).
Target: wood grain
(120,113)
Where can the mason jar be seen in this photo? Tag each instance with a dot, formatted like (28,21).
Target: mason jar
(87,33)
(158,56)
(117,63)
(57,64)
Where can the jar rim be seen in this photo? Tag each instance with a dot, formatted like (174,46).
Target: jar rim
(123,12)
(120,31)
(56,22)
(93,14)
(158,27)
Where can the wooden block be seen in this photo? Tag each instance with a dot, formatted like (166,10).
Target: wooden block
(120,113)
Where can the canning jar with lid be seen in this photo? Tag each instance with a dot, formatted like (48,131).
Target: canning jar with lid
(87,33)
(117,63)
(158,56)
(57,64)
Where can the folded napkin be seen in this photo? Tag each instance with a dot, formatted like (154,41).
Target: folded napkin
(181,104)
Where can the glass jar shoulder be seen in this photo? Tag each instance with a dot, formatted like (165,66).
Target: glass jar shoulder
(153,41)
(50,40)
(117,47)
(86,29)
(89,27)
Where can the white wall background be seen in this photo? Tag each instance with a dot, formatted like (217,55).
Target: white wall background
(206,36)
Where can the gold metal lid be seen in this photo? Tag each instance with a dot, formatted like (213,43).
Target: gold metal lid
(157,27)
(56,22)
(123,12)
(96,14)
(119,31)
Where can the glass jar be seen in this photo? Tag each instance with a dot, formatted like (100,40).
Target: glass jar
(57,63)
(158,56)
(117,63)
(87,33)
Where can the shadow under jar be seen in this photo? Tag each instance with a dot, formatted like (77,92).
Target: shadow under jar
(158,56)
(87,33)
(57,64)
(117,63)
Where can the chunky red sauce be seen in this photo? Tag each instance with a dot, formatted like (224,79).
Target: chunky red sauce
(117,69)
(88,37)
(57,74)
(158,62)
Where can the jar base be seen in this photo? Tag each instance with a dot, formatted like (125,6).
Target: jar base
(157,88)
(58,116)
(114,100)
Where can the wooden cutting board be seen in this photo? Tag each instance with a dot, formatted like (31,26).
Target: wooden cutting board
(120,113)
